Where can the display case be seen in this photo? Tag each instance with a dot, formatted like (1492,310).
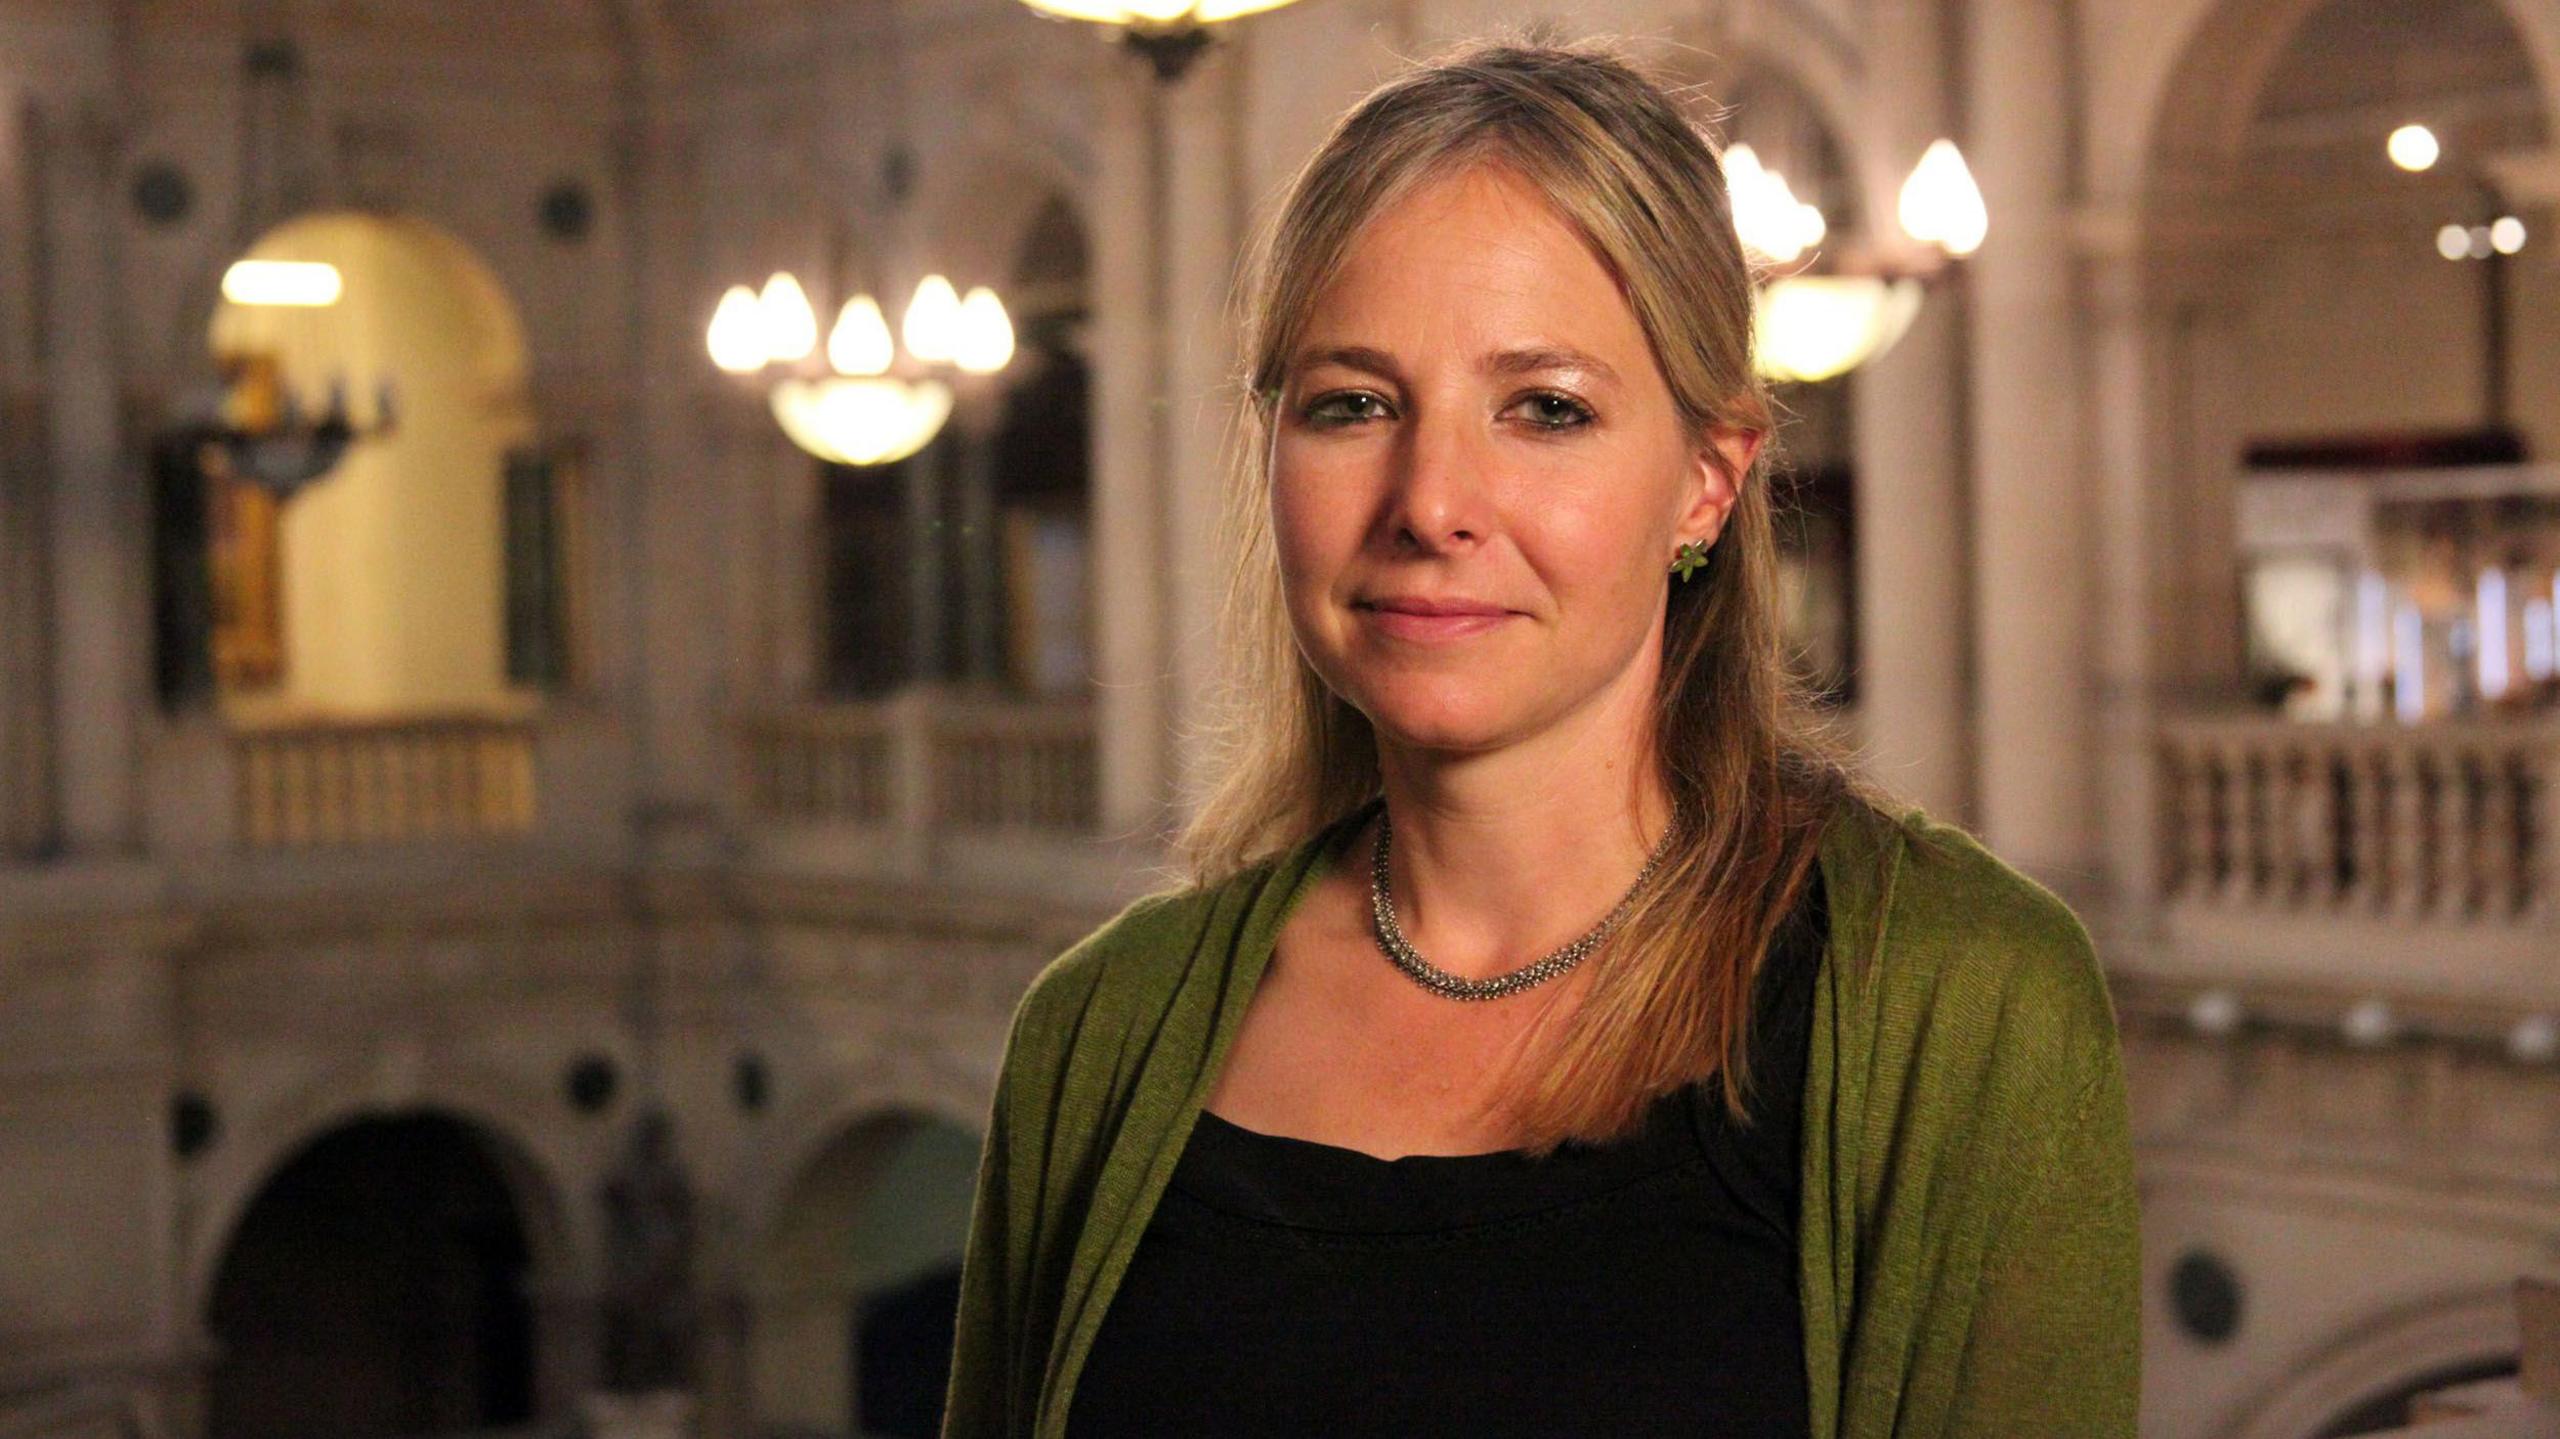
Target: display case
(2403,595)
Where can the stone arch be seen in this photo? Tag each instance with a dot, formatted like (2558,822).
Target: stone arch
(1791,46)
(2190,111)
(849,1275)
(387,1269)
(536,1163)
(977,207)
(2389,1354)
(383,589)
(2168,158)
(935,1088)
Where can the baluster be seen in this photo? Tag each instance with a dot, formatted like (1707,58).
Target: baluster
(2538,831)
(2415,877)
(2182,835)
(2498,838)
(364,783)
(488,781)
(256,783)
(2325,815)
(451,794)
(520,766)
(303,792)
(2457,831)
(2289,805)
(2212,819)
(2247,825)
(2359,771)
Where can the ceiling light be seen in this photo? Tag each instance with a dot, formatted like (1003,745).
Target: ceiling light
(2413,148)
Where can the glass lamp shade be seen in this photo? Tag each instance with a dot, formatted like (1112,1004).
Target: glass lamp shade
(984,343)
(1941,205)
(1153,14)
(737,333)
(1813,328)
(299,284)
(859,344)
(932,325)
(861,420)
(790,325)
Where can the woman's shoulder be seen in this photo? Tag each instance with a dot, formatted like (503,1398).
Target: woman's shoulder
(1119,949)
(1971,953)
(1132,965)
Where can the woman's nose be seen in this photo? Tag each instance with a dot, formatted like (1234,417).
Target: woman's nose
(1437,496)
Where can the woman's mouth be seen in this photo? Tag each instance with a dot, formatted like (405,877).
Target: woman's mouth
(1429,618)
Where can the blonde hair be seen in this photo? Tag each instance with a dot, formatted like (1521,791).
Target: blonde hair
(1751,775)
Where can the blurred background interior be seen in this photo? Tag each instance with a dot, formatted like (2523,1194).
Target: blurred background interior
(589,587)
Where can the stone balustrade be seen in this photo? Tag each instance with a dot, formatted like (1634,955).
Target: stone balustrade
(388,781)
(2443,821)
(925,761)
(2384,858)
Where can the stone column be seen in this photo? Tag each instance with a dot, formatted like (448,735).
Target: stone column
(568,1337)
(26,666)
(1128,588)
(2129,359)
(683,520)
(800,1358)
(98,514)
(2032,545)
(1204,226)
(1915,593)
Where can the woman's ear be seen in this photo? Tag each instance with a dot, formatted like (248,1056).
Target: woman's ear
(1721,465)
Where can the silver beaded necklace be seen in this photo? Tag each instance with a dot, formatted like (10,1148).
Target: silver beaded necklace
(1440,981)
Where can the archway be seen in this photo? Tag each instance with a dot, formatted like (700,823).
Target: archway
(425,571)
(853,1289)
(379,1285)
(2308,322)
(2367,1379)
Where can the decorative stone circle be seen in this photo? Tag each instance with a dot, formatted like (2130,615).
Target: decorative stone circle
(567,211)
(2204,1293)
(162,194)
(591,1082)
(194,1124)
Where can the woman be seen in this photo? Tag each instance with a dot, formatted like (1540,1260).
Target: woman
(1556,1038)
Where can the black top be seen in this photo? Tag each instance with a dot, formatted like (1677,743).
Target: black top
(1648,1286)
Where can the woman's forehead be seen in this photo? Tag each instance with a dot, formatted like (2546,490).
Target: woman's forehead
(1482,261)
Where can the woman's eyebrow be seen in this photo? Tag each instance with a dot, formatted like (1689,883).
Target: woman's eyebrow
(1546,357)
(1523,361)
(1354,357)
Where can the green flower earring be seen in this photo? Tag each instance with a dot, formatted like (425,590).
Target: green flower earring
(1692,558)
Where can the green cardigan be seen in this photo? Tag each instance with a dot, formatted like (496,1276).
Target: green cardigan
(1968,1255)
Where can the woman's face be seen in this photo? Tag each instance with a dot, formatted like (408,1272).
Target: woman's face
(1478,477)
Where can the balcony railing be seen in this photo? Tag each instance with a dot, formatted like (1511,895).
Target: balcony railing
(378,782)
(925,761)
(26,759)
(2445,823)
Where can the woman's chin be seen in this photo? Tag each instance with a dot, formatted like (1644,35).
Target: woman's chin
(1439,724)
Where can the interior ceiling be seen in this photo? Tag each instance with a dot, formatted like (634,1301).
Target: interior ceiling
(2356,69)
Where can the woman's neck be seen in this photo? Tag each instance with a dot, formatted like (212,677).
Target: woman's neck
(1499,857)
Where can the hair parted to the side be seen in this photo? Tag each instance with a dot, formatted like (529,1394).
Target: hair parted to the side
(1752,775)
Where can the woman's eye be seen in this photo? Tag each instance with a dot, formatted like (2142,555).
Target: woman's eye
(1548,410)
(1344,407)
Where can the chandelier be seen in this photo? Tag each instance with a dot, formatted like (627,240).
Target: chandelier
(860,404)
(1169,33)
(255,425)
(1812,327)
